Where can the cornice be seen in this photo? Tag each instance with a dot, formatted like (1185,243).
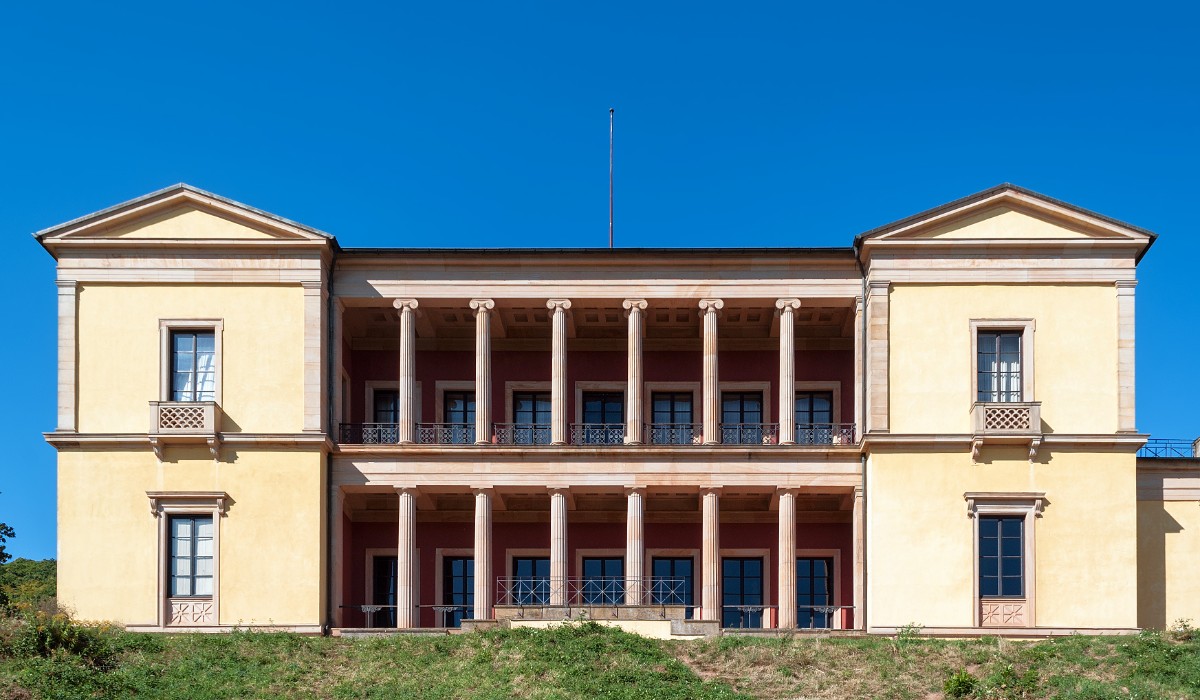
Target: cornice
(61,440)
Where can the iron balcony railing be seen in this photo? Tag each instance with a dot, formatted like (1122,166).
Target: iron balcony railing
(674,434)
(369,433)
(1167,448)
(825,434)
(523,434)
(597,434)
(541,591)
(446,433)
(749,433)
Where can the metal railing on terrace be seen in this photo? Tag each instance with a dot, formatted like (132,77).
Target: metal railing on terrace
(678,434)
(541,591)
(1167,448)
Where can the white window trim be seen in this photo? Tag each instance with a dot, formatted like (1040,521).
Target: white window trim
(369,575)
(1028,505)
(605,552)
(834,387)
(763,553)
(836,555)
(439,571)
(164,505)
(165,328)
(439,400)
(513,552)
(511,388)
(649,389)
(763,388)
(372,385)
(586,387)
(1026,327)
(679,552)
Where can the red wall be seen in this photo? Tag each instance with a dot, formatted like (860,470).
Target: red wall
(536,536)
(594,366)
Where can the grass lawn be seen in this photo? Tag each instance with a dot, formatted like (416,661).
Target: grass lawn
(66,660)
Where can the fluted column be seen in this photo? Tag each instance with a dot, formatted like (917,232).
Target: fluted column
(483,370)
(558,376)
(405,554)
(710,592)
(787,371)
(787,558)
(712,387)
(635,310)
(405,400)
(483,553)
(635,545)
(860,560)
(558,546)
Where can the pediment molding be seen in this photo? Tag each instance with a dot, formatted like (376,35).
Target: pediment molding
(105,226)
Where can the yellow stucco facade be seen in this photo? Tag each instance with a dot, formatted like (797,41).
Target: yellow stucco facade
(1109,543)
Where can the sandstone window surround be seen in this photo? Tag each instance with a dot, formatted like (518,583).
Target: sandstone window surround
(190,611)
(1007,611)
(1005,421)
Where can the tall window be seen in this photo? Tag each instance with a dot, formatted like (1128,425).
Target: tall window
(531,414)
(742,592)
(999,366)
(603,580)
(458,590)
(531,581)
(671,421)
(814,417)
(191,556)
(814,591)
(458,413)
(383,590)
(387,406)
(673,581)
(741,417)
(1002,556)
(602,409)
(193,368)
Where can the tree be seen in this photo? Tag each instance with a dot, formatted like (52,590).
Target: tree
(6,532)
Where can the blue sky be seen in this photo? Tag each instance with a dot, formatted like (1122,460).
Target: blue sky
(487,124)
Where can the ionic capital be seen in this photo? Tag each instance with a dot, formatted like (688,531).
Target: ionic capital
(631,304)
(478,305)
(402,304)
(558,304)
(711,305)
(785,304)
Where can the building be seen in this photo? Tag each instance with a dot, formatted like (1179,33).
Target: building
(932,426)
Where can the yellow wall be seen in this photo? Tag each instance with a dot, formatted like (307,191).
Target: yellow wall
(271,555)
(1002,223)
(1075,354)
(186,223)
(921,548)
(262,358)
(1168,563)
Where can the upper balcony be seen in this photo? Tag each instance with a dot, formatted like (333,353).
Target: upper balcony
(599,373)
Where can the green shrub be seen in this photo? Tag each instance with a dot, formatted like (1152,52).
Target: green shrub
(961,684)
(1007,683)
(44,635)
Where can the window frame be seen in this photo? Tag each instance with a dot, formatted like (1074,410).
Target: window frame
(166,329)
(838,617)
(1024,326)
(370,386)
(165,505)
(582,388)
(1028,505)
(439,585)
(441,388)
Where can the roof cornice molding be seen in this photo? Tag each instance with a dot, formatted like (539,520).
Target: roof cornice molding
(74,232)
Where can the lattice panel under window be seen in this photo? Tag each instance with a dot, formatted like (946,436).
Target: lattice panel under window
(1007,418)
(181,418)
(191,612)
(1013,613)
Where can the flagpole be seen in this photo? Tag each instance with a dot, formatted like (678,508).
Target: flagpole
(610,177)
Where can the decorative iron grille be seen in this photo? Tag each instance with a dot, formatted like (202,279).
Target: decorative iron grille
(446,433)
(370,433)
(749,433)
(597,434)
(674,434)
(523,434)
(825,434)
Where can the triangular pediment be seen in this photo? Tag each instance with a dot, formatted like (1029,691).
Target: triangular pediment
(1006,213)
(181,213)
